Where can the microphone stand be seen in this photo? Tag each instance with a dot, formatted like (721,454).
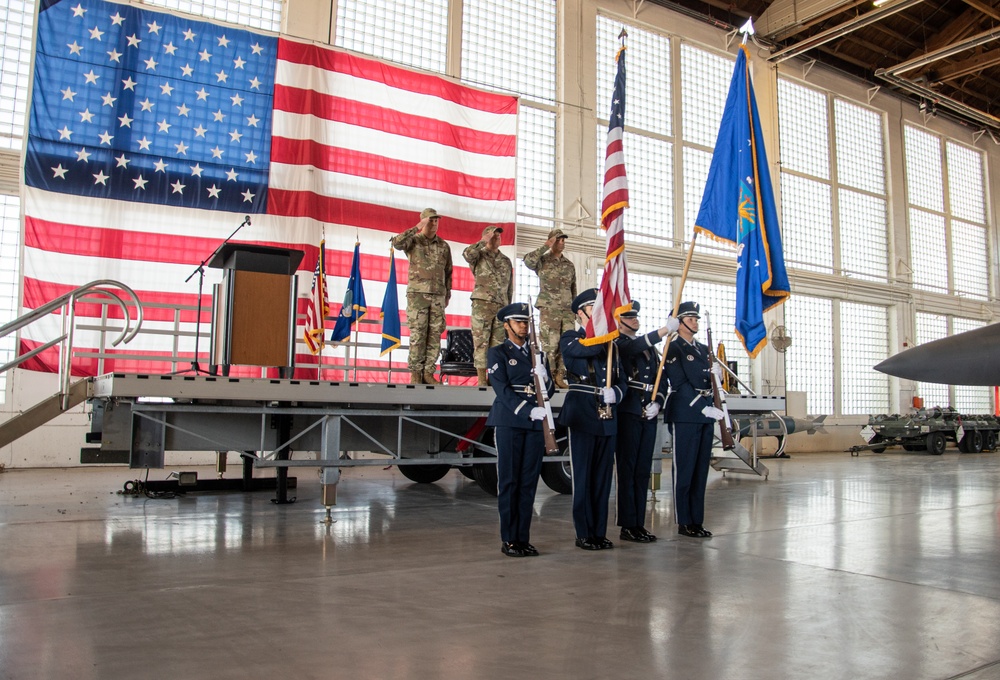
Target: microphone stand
(200,271)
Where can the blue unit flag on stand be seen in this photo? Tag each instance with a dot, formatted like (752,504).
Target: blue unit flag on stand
(354,306)
(391,332)
(738,208)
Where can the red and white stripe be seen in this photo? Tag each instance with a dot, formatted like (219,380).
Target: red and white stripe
(613,298)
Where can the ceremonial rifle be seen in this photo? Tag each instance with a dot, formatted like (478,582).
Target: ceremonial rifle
(541,396)
(724,432)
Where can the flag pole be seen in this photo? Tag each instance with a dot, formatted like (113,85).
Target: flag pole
(388,373)
(677,304)
(356,324)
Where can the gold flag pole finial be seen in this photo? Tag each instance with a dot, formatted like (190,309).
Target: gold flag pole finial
(747,30)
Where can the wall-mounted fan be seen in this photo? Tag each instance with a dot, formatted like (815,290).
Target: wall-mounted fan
(780,339)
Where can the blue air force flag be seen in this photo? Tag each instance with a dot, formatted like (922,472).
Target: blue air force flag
(738,208)
(354,307)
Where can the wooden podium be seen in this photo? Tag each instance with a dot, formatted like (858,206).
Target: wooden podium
(253,309)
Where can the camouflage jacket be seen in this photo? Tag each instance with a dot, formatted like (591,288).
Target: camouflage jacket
(430,262)
(556,278)
(494,274)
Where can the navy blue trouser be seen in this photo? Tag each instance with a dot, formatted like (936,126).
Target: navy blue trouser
(593,458)
(519,462)
(634,455)
(692,455)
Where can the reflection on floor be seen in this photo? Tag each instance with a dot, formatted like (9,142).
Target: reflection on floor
(881,566)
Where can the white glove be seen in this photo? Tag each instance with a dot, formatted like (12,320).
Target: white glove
(717,372)
(672,325)
(537,413)
(608,394)
(539,368)
(651,410)
(713,413)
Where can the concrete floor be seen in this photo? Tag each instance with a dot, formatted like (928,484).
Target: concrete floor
(881,566)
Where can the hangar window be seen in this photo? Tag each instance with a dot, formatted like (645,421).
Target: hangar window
(525,282)
(833,184)
(809,362)
(649,127)
(654,294)
(10,215)
(511,46)
(410,32)
(932,327)
(864,342)
(15,68)
(946,191)
(705,78)
(719,300)
(264,14)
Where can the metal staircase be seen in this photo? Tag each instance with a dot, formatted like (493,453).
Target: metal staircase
(70,393)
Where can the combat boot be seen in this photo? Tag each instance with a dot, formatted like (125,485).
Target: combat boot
(429,378)
(416,377)
(484,377)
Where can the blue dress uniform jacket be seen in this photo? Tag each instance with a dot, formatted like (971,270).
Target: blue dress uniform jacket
(586,368)
(591,440)
(519,441)
(509,368)
(636,434)
(640,362)
(688,368)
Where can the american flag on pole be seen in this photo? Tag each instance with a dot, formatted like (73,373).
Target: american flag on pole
(318,306)
(151,136)
(613,297)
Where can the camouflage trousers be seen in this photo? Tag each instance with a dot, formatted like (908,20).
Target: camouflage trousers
(551,325)
(425,318)
(487,330)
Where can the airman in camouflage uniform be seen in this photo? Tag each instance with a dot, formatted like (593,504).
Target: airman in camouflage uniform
(494,287)
(428,292)
(557,281)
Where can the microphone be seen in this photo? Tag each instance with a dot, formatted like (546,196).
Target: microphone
(246,220)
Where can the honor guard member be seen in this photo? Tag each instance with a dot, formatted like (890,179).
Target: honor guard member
(556,291)
(589,412)
(428,292)
(691,413)
(517,420)
(637,419)
(494,287)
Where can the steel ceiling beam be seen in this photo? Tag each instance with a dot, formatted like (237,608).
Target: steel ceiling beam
(943,53)
(843,29)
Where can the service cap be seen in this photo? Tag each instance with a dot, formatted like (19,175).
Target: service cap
(587,297)
(689,309)
(634,312)
(515,310)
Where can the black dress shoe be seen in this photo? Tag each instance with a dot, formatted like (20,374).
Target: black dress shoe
(705,533)
(633,534)
(511,550)
(587,544)
(603,543)
(690,530)
(649,537)
(528,549)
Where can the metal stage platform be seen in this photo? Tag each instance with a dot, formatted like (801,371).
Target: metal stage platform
(424,429)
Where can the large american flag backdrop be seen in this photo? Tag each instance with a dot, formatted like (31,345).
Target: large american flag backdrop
(151,135)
